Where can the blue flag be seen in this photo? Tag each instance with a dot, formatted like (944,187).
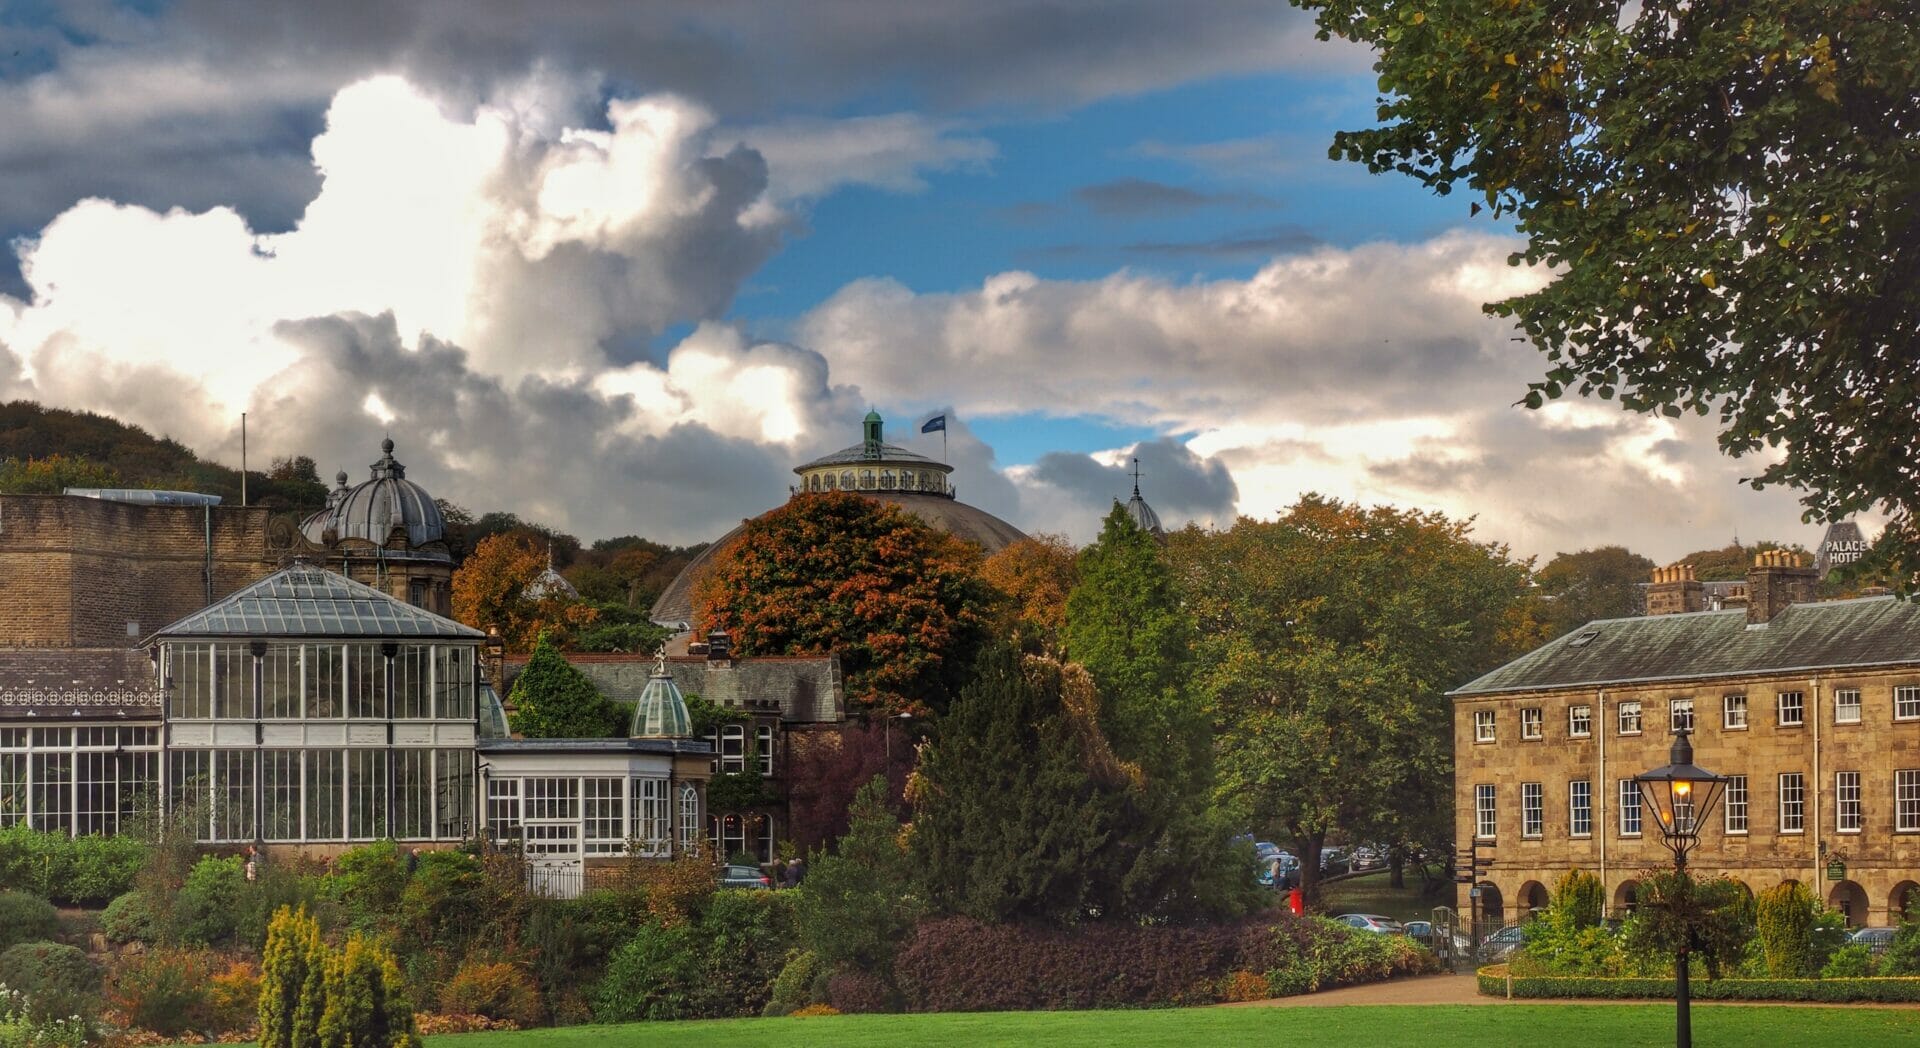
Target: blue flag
(936,424)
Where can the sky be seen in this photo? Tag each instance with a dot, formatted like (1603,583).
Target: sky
(618,268)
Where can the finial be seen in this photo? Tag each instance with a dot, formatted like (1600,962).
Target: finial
(660,661)
(340,478)
(549,554)
(386,446)
(1136,476)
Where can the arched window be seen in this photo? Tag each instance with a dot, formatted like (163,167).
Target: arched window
(906,480)
(813,482)
(829,482)
(866,480)
(886,479)
(689,816)
(927,483)
(846,480)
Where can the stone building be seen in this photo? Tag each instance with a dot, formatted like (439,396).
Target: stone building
(875,469)
(1812,707)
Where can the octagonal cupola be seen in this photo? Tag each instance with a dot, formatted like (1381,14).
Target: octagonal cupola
(661,712)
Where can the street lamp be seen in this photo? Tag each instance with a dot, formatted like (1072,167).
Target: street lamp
(1681,796)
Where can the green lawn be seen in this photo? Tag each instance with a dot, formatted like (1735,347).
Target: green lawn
(1368,893)
(1470,1026)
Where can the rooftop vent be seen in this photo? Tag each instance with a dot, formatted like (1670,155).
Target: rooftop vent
(1583,638)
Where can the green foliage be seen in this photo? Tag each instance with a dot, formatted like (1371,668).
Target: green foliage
(620,627)
(444,897)
(859,903)
(80,871)
(553,700)
(1321,954)
(53,474)
(737,791)
(1579,899)
(129,918)
(748,934)
(1712,918)
(26,918)
(793,988)
(655,975)
(57,980)
(19,1029)
(369,881)
(1854,961)
(207,910)
(292,981)
(1493,982)
(1600,583)
(1720,202)
(1784,917)
(707,717)
(1328,638)
(366,1004)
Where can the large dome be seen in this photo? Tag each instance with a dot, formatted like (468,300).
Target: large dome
(878,471)
(371,510)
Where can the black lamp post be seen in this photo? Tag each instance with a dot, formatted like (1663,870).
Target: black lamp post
(1681,796)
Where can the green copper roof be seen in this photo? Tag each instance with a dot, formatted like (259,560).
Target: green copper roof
(661,713)
(1829,635)
(305,601)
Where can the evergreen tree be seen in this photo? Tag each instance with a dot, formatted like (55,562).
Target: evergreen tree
(292,970)
(367,1006)
(859,903)
(553,700)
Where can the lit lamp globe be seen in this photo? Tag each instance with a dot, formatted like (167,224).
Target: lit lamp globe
(1682,796)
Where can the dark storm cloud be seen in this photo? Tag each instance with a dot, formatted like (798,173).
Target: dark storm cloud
(1140,197)
(1178,484)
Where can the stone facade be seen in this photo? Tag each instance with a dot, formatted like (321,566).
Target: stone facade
(85,572)
(1817,706)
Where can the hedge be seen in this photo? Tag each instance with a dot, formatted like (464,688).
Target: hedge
(1885,990)
(80,871)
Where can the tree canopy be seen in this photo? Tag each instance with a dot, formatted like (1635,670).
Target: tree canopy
(1601,583)
(1033,577)
(901,603)
(1723,199)
(1327,640)
(553,700)
(494,587)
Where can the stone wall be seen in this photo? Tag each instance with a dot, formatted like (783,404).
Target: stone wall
(74,572)
(1880,860)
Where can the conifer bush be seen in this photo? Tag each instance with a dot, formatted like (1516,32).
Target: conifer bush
(1784,915)
(292,980)
(56,980)
(26,918)
(553,700)
(313,996)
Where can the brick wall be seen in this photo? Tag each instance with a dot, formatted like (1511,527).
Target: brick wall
(74,571)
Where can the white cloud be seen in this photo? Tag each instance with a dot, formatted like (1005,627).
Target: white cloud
(810,157)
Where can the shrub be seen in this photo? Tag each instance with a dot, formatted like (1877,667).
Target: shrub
(130,918)
(1784,918)
(18,1029)
(1903,954)
(367,1006)
(292,980)
(207,909)
(1319,954)
(57,981)
(369,881)
(1579,900)
(166,991)
(82,871)
(793,987)
(233,998)
(571,941)
(497,990)
(746,937)
(676,890)
(655,975)
(1849,962)
(852,991)
(1244,985)
(812,1010)
(26,918)
(858,905)
(440,902)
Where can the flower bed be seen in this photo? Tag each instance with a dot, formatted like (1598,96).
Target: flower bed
(1495,982)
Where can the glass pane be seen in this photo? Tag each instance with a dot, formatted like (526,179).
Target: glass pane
(453,682)
(366,682)
(280,681)
(53,792)
(233,681)
(190,681)
(366,794)
(324,676)
(233,772)
(453,794)
(325,795)
(280,778)
(412,794)
(411,698)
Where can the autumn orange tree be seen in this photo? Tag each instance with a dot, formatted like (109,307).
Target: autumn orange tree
(902,603)
(492,589)
(1033,577)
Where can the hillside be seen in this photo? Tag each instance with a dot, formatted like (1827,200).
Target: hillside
(128,456)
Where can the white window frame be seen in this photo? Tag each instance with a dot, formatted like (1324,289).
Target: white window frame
(1846,705)
(763,749)
(1793,802)
(1631,804)
(1906,702)
(1580,808)
(1621,718)
(733,748)
(1580,721)
(1484,726)
(1906,800)
(1533,810)
(1532,724)
(1735,806)
(1674,708)
(1733,712)
(1847,812)
(1486,812)
(1797,708)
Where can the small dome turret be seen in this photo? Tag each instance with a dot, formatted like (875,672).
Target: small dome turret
(1143,515)
(371,509)
(661,712)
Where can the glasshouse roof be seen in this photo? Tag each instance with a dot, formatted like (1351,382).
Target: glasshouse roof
(305,601)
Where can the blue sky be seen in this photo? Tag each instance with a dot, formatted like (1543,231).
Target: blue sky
(618,268)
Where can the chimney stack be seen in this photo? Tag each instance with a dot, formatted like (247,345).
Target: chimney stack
(1776,580)
(1675,591)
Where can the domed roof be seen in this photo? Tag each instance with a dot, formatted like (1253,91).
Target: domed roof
(873,448)
(661,713)
(550,583)
(373,508)
(1143,515)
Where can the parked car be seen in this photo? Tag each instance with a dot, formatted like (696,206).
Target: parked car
(1372,922)
(1874,939)
(1333,860)
(1502,944)
(1365,858)
(1423,933)
(744,877)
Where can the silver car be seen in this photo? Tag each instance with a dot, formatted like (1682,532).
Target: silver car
(1372,922)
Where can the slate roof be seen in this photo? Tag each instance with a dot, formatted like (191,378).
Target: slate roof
(73,681)
(809,690)
(1828,635)
(856,454)
(305,601)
